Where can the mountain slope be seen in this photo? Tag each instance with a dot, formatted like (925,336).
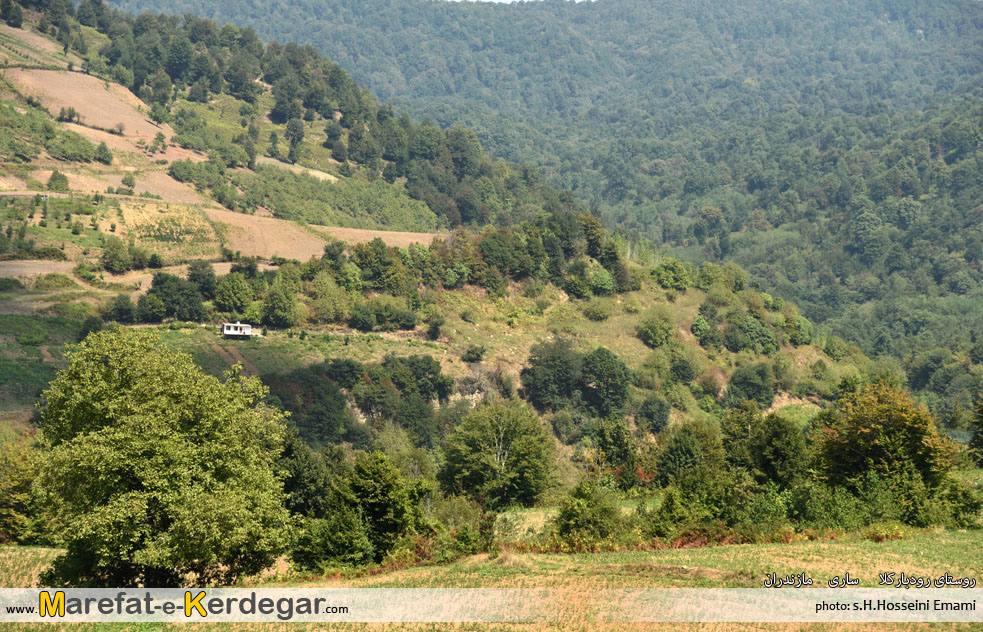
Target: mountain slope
(834,150)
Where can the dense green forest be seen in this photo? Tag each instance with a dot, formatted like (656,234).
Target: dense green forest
(833,151)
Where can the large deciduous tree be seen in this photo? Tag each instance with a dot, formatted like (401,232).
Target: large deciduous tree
(156,473)
(500,454)
(883,430)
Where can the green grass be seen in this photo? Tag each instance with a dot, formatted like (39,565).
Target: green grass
(25,369)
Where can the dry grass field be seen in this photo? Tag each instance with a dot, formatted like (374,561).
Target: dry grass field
(98,102)
(265,236)
(389,237)
(576,580)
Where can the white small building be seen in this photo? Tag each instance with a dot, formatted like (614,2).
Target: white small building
(237,330)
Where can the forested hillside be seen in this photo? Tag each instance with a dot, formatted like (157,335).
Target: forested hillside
(834,150)
(520,379)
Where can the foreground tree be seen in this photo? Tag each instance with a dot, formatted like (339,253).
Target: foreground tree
(882,430)
(156,473)
(500,454)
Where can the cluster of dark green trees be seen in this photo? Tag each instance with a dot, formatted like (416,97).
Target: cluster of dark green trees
(375,287)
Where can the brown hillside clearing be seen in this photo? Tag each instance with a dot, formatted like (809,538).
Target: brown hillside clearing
(265,236)
(98,104)
(390,238)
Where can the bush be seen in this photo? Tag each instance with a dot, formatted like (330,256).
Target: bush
(340,538)
(656,327)
(590,513)
(598,309)
(474,353)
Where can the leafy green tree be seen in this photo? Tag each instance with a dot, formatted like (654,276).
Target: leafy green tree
(279,306)
(588,514)
(340,538)
(465,150)
(653,414)
(672,274)
(202,274)
(103,154)
(233,293)
(753,382)
(976,443)
(18,508)
(882,429)
(656,327)
(606,380)
(156,458)
(295,136)
(780,451)
(362,317)
(500,454)
(180,297)
(15,17)
(122,309)
(115,255)
(58,182)
(553,375)
(151,309)
(386,500)
(740,429)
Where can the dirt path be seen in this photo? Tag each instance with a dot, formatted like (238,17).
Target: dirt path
(247,366)
(224,354)
(13,269)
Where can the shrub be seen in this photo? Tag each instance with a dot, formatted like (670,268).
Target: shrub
(656,327)
(598,309)
(590,513)
(474,353)
(340,538)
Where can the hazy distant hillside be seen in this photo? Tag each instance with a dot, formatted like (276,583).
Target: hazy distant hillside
(832,149)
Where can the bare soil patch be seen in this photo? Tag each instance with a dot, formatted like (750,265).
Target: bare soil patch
(85,182)
(128,143)
(99,103)
(159,183)
(390,238)
(31,268)
(266,236)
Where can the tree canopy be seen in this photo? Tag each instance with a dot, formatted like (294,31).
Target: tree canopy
(156,473)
